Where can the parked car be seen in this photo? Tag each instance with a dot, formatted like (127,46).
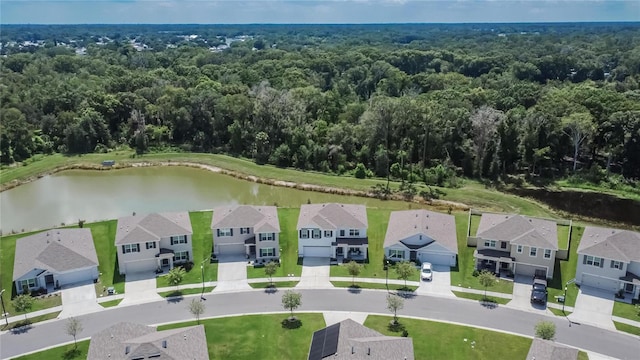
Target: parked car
(426,272)
(539,291)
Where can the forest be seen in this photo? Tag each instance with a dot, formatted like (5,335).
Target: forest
(423,103)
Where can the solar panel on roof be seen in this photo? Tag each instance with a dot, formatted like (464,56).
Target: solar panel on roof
(317,343)
(324,342)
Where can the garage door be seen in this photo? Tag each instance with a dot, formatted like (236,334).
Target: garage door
(438,258)
(231,249)
(141,266)
(317,251)
(529,270)
(600,282)
(76,276)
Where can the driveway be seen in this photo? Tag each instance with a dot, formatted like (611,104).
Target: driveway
(521,299)
(140,288)
(440,285)
(232,274)
(315,273)
(79,299)
(594,307)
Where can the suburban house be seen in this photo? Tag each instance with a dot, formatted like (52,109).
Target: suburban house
(333,230)
(153,242)
(609,259)
(421,235)
(549,350)
(251,231)
(350,340)
(127,341)
(516,244)
(54,258)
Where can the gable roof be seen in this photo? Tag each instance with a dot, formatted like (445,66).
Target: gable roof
(548,350)
(152,227)
(437,226)
(332,216)
(615,244)
(519,230)
(262,219)
(355,341)
(127,341)
(55,250)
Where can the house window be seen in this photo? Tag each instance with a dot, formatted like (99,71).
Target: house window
(225,232)
(503,244)
(151,245)
(533,252)
(28,283)
(342,233)
(179,256)
(267,252)
(490,243)
(130,248)
(354,232)
(519,249)
(267,236)
(328,233)
(547,253)
(244,230)
(396,254)
(592,260)
(181,239)
(616,264)
(304,234)
(315,233)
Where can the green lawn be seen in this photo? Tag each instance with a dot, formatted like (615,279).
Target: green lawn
(104,237)
(558,312)
(185,292)
(475,221)
(563,236)
(202,242)
(288,218)
(31,320)
(627,328)
(364,285)
(497,300)
(626,191)
(433,340)
(278,284)
(565,270)
(66,352)
(627,311)
(110,303)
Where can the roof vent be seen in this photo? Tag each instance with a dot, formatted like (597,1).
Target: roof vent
(353,350)
(127,349)
(368,351)
(530,220)
(164,344)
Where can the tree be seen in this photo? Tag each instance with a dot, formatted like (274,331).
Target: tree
(270,269)
(486,278)
(175,276)
(405,270)
(361,171)
(23,303)
(578,126)
(196,308)
(394,303)
(354,270)
(484,122)
(545,330)
(73,328)
(291,300)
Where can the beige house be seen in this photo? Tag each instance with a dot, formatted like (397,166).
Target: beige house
(549,350)
(609,259)
(516,244)
(251,231)
(153,242)
(421,235)
(333,230)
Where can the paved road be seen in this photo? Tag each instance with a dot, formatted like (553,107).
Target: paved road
(461,311)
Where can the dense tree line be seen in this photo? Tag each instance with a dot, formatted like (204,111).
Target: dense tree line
(407,101)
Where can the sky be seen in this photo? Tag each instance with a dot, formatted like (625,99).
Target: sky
(312,11)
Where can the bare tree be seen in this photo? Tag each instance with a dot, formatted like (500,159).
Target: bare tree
(578,126)
(73,328)
(196,308)
(484,122)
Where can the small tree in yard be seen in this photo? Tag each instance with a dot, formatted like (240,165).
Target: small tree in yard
(394,303)
(291,300)
(405,270)
(23,303)
(73,328)
(175,276)
(354,270)
(486,279)
(196,308)
(270,269)
(546,330)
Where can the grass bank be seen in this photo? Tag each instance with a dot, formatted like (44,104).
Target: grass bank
(480,297)
(276,285)
(627,328)
(627,311)
(365,285)
(29,321)
(184,292)
(66,352)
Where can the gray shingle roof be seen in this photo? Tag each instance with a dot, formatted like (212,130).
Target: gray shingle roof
(126,341)
(55,250)
(614,244)
(438,226)
(333,216)
(141,228)
(262,219)
(548,350)
(520,230)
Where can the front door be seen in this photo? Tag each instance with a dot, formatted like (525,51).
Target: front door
(412,255)
(339,251)
(48,279)
(165,262)
(628,287)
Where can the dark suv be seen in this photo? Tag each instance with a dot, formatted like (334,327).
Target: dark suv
(539,291)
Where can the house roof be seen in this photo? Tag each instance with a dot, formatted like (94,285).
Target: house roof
(128,341)
(263,219)
(332,216)
(519,230)
(437,226)
(350,340)
(152,227)
(614,244)
(548,350)
(55,250)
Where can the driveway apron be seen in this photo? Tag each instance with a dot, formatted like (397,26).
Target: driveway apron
(521,299)
(79,299)
(140,288)
(315,274)
(440,285)
(594,307)
(232,274)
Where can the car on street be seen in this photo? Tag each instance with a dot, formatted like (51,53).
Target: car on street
(426,273)
(539,291)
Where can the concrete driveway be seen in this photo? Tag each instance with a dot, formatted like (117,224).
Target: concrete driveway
(140,288)
(79,299)
(440,285)
(521,299)
(232,274)
(315,273)
(594,307)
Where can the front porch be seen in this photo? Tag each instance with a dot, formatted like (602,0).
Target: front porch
(164,260)
(630,289)
(348,249)
(495,261)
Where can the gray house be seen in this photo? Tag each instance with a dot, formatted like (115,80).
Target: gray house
(517,244)
(548,350)
(154,241)
(421,235)
(609,259)
(350,340)
(127,341)
(253,231)
(54,258)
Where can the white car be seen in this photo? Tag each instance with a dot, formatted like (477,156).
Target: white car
(426,272)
